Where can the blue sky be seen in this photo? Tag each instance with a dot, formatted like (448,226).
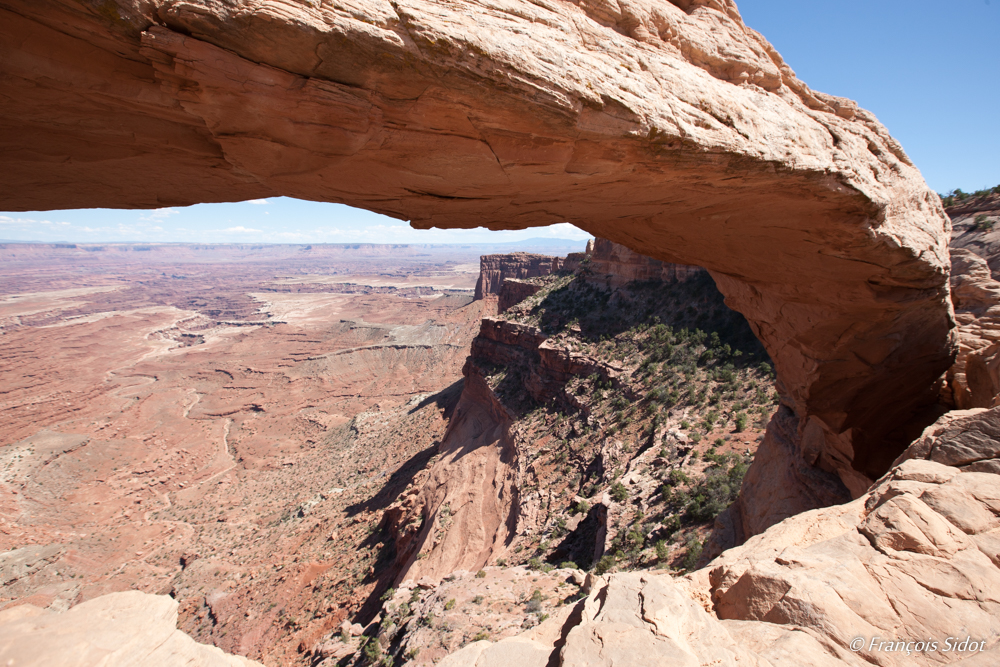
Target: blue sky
(929,69)
(274,220)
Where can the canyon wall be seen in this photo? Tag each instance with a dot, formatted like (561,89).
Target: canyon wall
(624,265)
(911,560)
(494,269)
(668,127)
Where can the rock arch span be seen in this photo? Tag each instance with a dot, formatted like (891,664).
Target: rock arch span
(669,127)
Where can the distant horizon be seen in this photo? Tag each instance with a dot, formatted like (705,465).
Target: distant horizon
(536,241)
(273,220)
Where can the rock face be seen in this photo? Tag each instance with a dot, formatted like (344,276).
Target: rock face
(915,559)
(965,439)
(114,630)
(668,127)
(975,227)
(494,269)
(513,292)
(465,509)
(624,265)
(974,379)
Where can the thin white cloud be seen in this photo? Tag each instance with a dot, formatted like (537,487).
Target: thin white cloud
(565,230)
(257,202)
(159,214)
(242,230)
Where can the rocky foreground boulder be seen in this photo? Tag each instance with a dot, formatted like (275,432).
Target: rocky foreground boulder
(116,630)
(908,574)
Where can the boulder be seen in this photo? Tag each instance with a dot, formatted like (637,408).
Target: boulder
(114,630)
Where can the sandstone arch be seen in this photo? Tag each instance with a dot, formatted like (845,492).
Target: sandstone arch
(668,127)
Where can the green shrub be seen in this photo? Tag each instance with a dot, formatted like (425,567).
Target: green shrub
(450,604)
(678,476)
(662,551)
(716,491)
(635,539)
(741,422)
(983,223)
(694,548)
(569,565)
(604,565)
(481,574)
(619,492)
(373,652)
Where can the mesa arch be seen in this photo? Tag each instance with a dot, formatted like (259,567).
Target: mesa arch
(669,127)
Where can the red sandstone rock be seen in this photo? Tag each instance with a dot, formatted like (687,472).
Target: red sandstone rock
(116,630)
(624,265)
(975,377)
(494,269)
(513,292)
(669,127)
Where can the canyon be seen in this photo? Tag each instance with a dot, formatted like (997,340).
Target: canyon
(221,432)
(668,128)
(345,525)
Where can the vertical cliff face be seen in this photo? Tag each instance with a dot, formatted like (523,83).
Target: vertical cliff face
(514,292)
(494,269)
(605,377)
(623,265)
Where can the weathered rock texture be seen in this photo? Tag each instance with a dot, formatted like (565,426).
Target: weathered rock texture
(513,292)
(624,265)
(965,439)
(466,508)
(974,379)
(915,559)
(114,630)
(668,127)
(511,475)
(494,269)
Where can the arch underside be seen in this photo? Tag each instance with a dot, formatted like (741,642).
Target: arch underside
(673,130)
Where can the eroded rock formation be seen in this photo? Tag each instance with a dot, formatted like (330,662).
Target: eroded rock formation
(624,265)
(915,559)
(494,269)
(668,127)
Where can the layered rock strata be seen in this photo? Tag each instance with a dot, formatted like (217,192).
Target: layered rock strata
(669,127)
(623,265)
(513,292)
(495,269)
(974,379)
(975,228)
